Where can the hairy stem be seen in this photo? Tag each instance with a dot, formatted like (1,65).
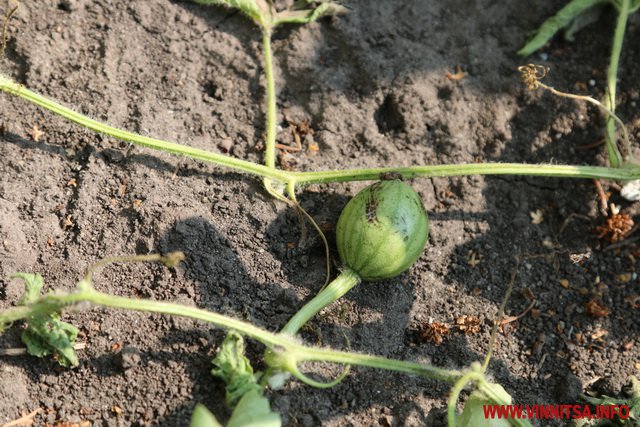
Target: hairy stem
(300,353)
(612,76)
(312,354)
(559,171)
(305,178)
(9,86)
(334,290)
(270,145)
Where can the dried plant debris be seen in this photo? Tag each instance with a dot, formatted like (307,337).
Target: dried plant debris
(595,308)
(434,332)
(437,332)
(468,324)
(616,228)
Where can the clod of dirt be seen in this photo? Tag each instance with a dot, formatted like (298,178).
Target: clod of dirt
(112,155)
(569,389)
(129,357)
(69,5)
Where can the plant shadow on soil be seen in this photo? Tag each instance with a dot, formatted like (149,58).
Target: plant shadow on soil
(272,305)
(223,285)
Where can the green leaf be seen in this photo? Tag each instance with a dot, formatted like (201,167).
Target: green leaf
(585,18)
(234,369)
(302,14)
(33,284)
(633,402)
(45,333)
(634,6)
(258,10)
(202,417)
(253,411)
(243,390)
(554,24)
(473,412)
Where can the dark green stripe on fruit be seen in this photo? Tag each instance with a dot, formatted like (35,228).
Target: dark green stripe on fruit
(382,230)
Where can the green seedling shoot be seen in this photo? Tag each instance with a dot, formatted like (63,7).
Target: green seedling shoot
(243,393)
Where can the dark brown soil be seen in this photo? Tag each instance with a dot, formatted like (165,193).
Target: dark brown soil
(373,86)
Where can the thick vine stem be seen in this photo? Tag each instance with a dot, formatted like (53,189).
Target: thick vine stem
(9,86)
(270,143)
(629,172)
(296,352)
(284,178)
(330,293)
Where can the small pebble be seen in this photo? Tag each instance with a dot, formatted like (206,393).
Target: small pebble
(225,145)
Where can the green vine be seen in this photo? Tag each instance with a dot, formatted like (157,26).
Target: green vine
(284,352)
(629,172)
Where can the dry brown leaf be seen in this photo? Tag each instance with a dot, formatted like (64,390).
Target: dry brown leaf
(616,227)
(36,133)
